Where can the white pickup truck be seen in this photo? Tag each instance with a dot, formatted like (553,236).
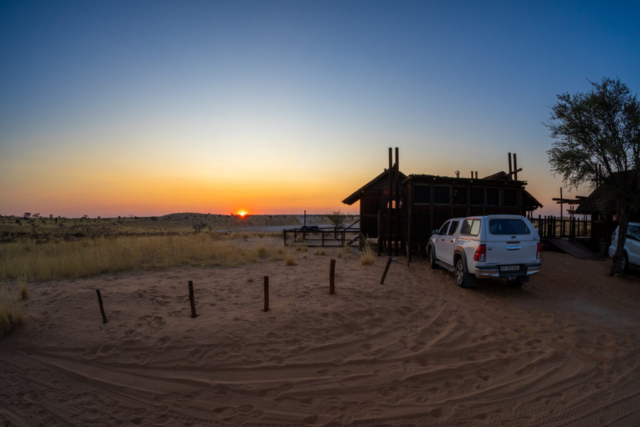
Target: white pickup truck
(493,246)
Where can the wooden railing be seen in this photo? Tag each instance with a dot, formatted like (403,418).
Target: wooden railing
(322,237)
(552,227)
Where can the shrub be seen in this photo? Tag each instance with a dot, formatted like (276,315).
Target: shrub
(23,291)
(10,312)
(290,260)
(367,256)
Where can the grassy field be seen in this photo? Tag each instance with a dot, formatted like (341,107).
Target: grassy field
(55,259)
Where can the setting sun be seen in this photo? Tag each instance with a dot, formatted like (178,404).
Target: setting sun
(242,214)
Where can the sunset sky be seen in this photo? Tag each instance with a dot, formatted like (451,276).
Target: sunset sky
(147,108)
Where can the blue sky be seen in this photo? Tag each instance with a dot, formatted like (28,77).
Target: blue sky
(108,99)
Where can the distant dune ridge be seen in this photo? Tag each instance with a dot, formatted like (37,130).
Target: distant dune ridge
(49,227)
(417,350)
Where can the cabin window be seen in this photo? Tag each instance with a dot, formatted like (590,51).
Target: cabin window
(477,198)
(441,195)
(421,194)
(493,197)
(510,197)
(459,195)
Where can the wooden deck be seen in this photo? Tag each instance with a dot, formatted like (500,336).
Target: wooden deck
(575,249)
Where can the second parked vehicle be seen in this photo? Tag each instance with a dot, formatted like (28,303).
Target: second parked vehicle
(631,254)
(493,246)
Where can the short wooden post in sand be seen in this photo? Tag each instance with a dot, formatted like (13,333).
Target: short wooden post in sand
(332,277)
(266,293)
(104,316)
(192,300)
(386,270)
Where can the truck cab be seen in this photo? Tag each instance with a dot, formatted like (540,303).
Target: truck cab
(493,246)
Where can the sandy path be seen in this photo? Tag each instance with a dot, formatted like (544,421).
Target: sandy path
(564,350)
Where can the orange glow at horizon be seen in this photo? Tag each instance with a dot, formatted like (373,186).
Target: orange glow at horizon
(242,213)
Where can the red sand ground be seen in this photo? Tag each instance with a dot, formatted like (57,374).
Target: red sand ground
(563,350)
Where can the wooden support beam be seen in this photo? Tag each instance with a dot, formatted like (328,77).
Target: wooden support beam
(409,203)
(389,220)
(398,219)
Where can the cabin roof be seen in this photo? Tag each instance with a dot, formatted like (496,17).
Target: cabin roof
(497,176)
(427,177)
(532,201)
(590,204)
(358,193)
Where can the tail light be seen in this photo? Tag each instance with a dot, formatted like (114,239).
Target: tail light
(539,251)
(481,253)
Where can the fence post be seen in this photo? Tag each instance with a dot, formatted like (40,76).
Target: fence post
(266,293)
(332,280)
(192,300)
(104,316)
(386,270)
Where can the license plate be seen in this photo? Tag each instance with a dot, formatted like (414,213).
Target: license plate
(510,268)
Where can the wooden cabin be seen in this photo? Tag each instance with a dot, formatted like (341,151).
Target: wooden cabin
(402,211)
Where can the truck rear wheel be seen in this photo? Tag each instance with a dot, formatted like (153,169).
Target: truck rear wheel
(625,262)
(463,279)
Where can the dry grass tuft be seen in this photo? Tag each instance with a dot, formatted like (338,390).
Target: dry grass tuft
(74,259)
(10,312)
(319,252)
(346,250)
(302,249)
(23,291)
(289,259)
(367,256)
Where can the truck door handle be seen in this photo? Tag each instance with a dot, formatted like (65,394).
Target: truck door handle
(450,241)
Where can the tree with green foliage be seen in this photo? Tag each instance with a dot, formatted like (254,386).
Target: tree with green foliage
(597,140)
(336,218)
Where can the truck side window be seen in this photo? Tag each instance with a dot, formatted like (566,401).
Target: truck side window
(453,228)
(470,227)
(443,229)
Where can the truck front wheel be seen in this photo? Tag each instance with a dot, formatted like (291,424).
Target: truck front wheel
(432,258)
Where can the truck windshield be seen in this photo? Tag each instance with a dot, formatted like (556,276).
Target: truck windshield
(508,226)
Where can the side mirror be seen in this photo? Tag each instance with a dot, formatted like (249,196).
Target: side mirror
(436,231)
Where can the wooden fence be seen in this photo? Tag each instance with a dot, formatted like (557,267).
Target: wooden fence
(552,227)
(322,237)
